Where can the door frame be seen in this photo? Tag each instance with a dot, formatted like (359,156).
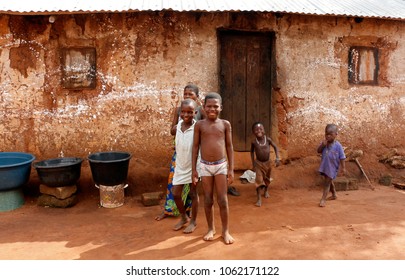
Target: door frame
(270,126)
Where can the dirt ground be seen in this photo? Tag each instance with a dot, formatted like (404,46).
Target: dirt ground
(360,224)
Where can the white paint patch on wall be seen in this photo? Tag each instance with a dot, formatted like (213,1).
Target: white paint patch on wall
(312,111)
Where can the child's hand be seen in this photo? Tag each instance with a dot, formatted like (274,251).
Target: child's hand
(194,178)
(344,171)
(230,177)
(278,162)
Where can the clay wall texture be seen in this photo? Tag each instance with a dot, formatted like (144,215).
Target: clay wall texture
(144,60)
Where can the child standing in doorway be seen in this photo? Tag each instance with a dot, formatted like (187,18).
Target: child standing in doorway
(260,155)
(213,138)
(182,171)
(333,156)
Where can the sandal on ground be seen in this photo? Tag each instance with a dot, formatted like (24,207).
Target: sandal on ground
(233,191)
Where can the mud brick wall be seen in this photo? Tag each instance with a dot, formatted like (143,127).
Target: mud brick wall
(57,99)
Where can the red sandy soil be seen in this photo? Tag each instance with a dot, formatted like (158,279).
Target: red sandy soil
(360,224)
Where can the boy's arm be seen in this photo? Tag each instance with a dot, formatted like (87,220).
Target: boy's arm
(173,130)
(252,154)
(343,165)
(202,112)
(194,153)
(229,150)
(321,147)
(175,120)
(275,150)
(342,157)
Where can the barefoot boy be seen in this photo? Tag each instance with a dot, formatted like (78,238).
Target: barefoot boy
(332,156)
(262,165)
(213,138)
(183,169)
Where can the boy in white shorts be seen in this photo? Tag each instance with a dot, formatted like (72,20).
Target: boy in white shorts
(213,137)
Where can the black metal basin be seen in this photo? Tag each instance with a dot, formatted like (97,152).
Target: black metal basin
(59,172)
(109,168)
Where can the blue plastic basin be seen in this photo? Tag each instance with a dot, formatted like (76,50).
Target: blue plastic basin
(15,169)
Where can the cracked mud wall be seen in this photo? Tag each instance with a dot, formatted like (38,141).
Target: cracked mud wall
(313,80)
(143,63)
(144,60)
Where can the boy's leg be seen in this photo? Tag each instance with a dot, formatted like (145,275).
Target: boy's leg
(194,208)
(333,190)
(258,195)
(177,191)
(326,188)
(260,183)
(266,192)
(267,181)
(208,188)
(222,188)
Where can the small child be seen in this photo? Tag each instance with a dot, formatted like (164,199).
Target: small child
(262,165)
(213,137)
(332,156)
(183,169)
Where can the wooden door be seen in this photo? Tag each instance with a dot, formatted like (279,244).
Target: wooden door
(245,83)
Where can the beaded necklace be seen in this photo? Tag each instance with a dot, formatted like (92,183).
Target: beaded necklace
(258,143)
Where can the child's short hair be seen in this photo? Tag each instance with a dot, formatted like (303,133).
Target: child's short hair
(213,95)
(188,102)
(256,124)
(193,88)
(331,126)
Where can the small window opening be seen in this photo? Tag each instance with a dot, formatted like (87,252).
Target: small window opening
(363,65)
(79,68)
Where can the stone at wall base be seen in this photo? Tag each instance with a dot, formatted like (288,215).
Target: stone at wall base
(345,184)
(385,180)
(59,192)
(152,198)
(51,201)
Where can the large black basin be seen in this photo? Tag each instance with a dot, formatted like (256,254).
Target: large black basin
(109,168)
(59,172)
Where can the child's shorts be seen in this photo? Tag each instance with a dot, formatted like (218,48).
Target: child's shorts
(213,168)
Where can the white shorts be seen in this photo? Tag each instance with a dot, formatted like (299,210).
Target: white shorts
(213,168)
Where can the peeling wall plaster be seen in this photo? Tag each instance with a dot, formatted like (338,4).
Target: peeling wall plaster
(145,59)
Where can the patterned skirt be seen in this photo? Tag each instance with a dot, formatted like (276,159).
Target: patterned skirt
(170,207)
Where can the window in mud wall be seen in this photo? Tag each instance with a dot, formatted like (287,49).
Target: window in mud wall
(78,68)
(363,65)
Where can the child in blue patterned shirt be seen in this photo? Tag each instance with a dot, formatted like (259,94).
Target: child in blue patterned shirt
(333,156)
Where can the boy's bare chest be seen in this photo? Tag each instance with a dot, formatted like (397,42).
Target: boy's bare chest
(262,149)
(213,130)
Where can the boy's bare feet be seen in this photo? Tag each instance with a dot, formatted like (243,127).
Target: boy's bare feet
(181,223)
(332,197)
(322,203)
(228,239)
(258,203)
(190,228)
(210,235)
(161,216)
(266,194)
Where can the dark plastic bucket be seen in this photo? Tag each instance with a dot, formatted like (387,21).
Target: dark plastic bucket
(15,169)
(59,172)
(109,168)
